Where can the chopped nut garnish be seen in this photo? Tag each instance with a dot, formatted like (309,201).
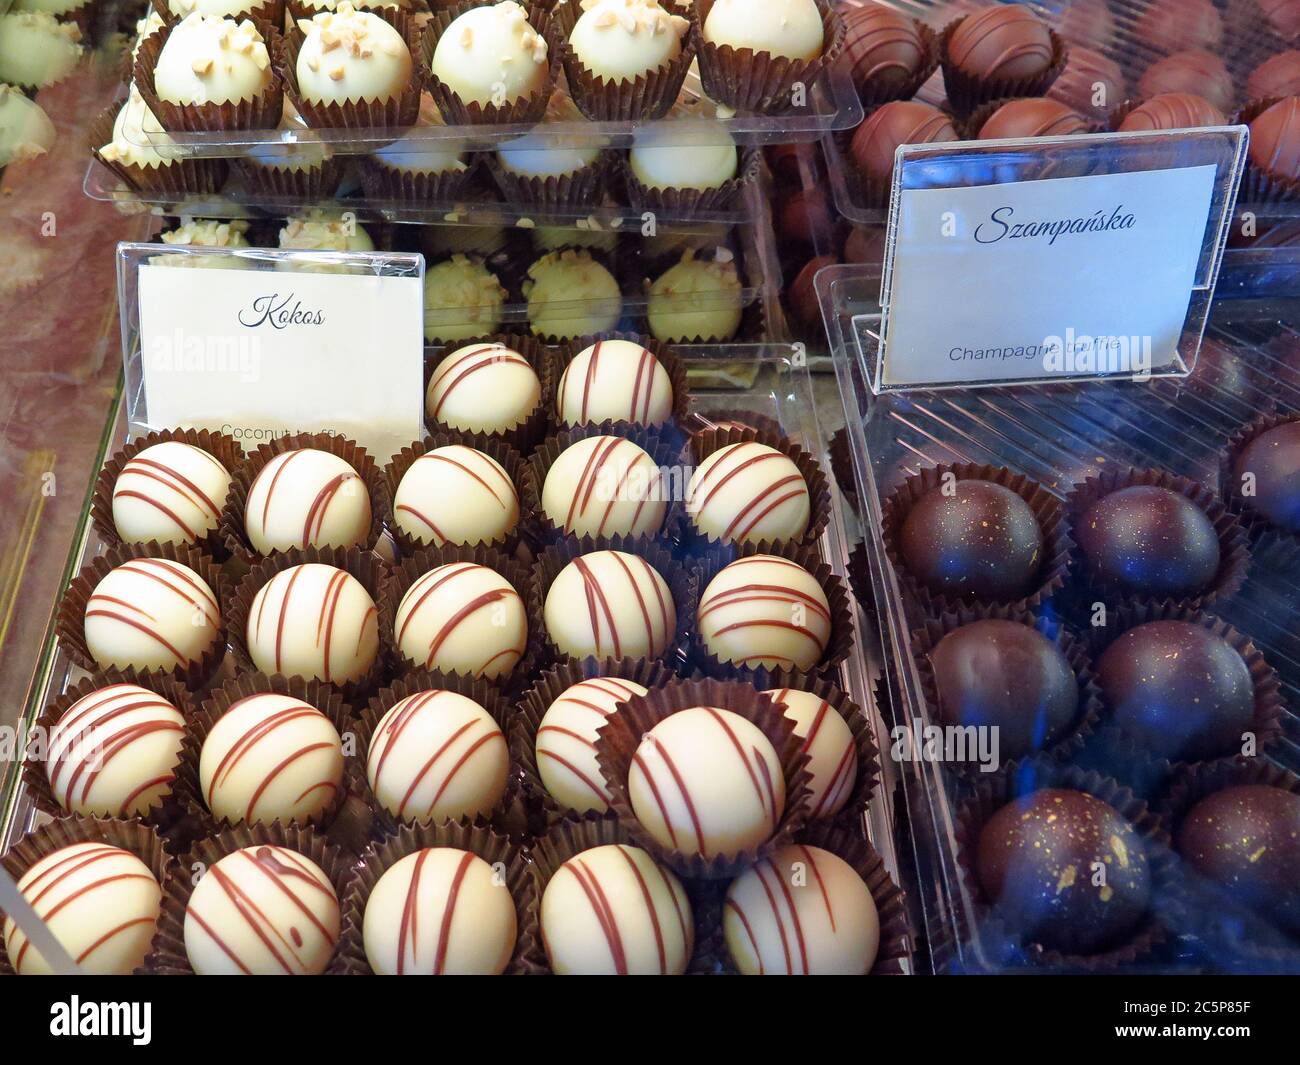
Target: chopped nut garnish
(201,65)
(336,73)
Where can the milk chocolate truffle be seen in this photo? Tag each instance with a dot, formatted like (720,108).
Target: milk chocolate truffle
(696,299)
(1086,24)
(313,621)
(1246,839)
(100,902)
(882,48)
(348,56)
(171,492)
(271,757)
(151,613)
(801,295)
(683,155)
(791,29)
(1180,25)
(439,912)
(1283,16)
(1150,540)
(1278,75)
(306,498)
(802,912)
(462,618)
(566,741)
(1267,476)
(1009,677)
(1065,870)
(614,380)
(262,911)
(1006,41)
(705,781)
(37,50)
(604,486)
(1194,72)
(1173,110)
(1275,139)
(901,122)
(629,609)
(571,295)
(212,60)
(828,742)
(462,299)
(622,40)
(764,611)
(437,755)
(1032,117)
(456,495)
(615,911)
(1091,83)
(113,752)
(746,492)
(973,538)
(483,388)
(491,55)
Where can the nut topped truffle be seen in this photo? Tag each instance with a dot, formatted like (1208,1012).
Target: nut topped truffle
(571,295)
(698,298)
(620,40)
(462,299)
(36,49)
(350,55)
(491,55)
(212,60)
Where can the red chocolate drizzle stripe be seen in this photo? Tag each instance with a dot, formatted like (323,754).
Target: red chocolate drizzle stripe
(474,476)
(483,669)
(328,611)
(76,896)
(279,869)
(410,925)
(775,486)
(595,595)
(592,364)
(560,730)
(253,916)
(734,907)
(430,763)
(434,579)
(738,747)
(604,914)
(650,640)
(113,746)
(656,582)
(617,495)
(279,465)
(584,705)
(281,621)
(838,782)
(591,470)
(774,592)
(652,911)
(811,859)
(69,732)
(221,943)
(371,611)
(776,913)
(491,361)
(202,596)
(672,888)
(452,623)
(794,914)
(132,623)
(740,467)
(619,687)
(188,490)
(391,730)
(597,789)
(641,375)
(769,623)
(315,520)
(442,536)
(453,895)
(144,786)
(111,934)
(697,824)
(302,752)
(100,597)
(251,738)
(190,534)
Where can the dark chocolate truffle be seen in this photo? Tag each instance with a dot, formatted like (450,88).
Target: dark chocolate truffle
(1032,116)
(1178,691)
(1173,110)
(1283,16)
(802,296)
(882,49)
(1090,83)
(1006,41)
(1009,676)
(1180,25)
(1275,139)
(1064,870)
(805,217)
(1086,24)
(1278,75)
(1150,540)
(865,244)
(1267,475)
(901,122)
(1247,839)
(970,537)
(1195,72)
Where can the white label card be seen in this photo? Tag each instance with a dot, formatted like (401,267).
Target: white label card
(258,353)
(1050,278)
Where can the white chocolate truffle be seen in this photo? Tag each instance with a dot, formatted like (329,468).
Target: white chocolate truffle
(439,912)
(802,912)
(323,231)
(349,55)
(483,388)
(415,153)
(696,300)
(614,380)
(262,911)
(615,911)
(26,131)
(138,139)
(50,7)
(552,238)
(620,40)
(604,486)
(828,742)
(37,50)
(456,495)
(462,618)
(296,156)
(171,492)
(706,781)
(765,611)
(270,757)
(146,28)
(566,741)
(306,498)
(610,604)
(224,8)
(437,755)
(100,902)
(113,753)
(683,155)
(746,492)
(788,28)
(210,60)
(313,621)
(570,295)
(462,299)
(491,55)
(537,155)
(151,613)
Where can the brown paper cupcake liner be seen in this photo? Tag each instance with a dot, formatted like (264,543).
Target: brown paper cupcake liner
(178,178)
(71,616)
(678,576)
(1087,714)
(841,457)
(838,647)
(705,443)
(584,186)
(874,95)
(858,570)
(966,91)
(687,203)
(1257,184)
(701,421)
(522,437)
(1000,943)
(382,182)
(477,838)
(225,449)
(969,126)
(168,956)
(1234,560)
(622,733)
(270,12)
(234,535)
(746,80)
(319,182)
(133,836)
(565,352)
(83,17)
(1255,524)
(538,699)
(755,327)
(365,566)
(1048,510)
(458,112)
(263,111)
